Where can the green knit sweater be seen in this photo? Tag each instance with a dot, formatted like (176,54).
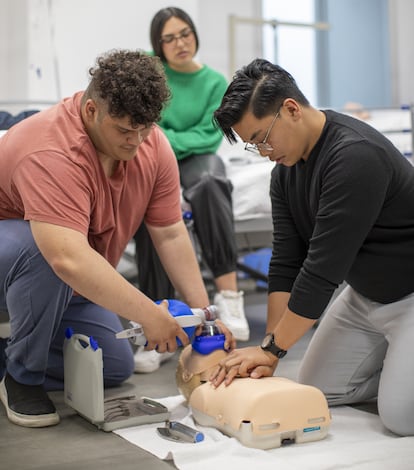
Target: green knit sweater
(187,119)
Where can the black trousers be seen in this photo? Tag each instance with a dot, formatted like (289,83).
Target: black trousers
(208,191)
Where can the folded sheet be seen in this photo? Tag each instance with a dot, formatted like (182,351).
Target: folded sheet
(356,440)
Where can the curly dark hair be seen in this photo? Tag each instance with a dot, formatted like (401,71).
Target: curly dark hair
(130,83)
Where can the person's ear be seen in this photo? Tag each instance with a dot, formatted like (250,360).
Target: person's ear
(292,108)
(91,109)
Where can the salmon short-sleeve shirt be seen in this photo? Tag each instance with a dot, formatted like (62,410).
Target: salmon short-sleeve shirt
(50,172)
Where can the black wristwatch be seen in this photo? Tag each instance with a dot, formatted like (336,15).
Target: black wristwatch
(268,344)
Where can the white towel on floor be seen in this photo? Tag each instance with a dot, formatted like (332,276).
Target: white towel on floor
(356,440)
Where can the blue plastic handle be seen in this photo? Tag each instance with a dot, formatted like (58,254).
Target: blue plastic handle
(178,309)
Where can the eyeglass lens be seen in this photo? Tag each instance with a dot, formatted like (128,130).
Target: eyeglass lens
(184,35)
(263,146)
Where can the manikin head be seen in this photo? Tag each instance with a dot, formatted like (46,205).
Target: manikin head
(194,368)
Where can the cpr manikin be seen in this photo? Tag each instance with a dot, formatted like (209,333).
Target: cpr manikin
(262,413)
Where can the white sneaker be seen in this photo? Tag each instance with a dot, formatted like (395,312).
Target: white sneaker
(149,361)
(230,307)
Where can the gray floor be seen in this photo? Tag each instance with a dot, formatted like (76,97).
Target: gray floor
(76,444)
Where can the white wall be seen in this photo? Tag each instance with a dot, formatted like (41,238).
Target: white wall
(13,50)
(47,46)
(60,39)
(401,13)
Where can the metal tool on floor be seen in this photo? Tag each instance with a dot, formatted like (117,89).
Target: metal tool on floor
(179,432)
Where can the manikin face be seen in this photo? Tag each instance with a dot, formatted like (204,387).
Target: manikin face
(279,136)
(180,51)
(194,369)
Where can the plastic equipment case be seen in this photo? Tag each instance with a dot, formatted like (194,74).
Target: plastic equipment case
(84,390)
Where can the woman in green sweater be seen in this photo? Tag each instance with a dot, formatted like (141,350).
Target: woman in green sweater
(196,92)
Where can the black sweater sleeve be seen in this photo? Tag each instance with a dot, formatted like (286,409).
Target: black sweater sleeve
(338,216)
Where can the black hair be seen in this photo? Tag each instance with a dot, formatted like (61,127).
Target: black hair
(158,23)
(260,87)
(130,83)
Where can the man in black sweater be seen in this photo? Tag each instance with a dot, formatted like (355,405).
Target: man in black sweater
(343,210)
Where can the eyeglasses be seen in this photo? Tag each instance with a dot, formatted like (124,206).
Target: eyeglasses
(263,147)
(186,35)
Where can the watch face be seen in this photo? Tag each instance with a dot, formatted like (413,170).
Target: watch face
(267,340)
(268,344)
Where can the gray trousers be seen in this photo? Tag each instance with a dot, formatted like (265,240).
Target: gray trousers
(363,350)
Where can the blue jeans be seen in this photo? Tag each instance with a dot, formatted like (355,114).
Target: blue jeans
(40,306)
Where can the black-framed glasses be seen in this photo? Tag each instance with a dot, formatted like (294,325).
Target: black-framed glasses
(186,35)
(263,147)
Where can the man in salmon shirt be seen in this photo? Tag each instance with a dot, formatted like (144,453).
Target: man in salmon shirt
(76,181)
